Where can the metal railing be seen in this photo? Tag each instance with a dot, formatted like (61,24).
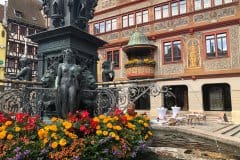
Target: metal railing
(31,97)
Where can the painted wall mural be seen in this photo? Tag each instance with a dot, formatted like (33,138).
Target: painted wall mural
(193,53)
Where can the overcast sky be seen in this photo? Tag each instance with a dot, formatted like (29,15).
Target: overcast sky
(2,1)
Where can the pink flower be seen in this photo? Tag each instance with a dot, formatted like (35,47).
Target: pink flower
(85,114)
(20,117)
(2,118)
(117,112)
(82,128)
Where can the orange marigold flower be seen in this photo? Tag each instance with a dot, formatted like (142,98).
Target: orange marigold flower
(119,128)
(98,127)
(117,138)
(17,129)
(53,128)
(8,123)
(45,140)
(112,134)
(54,145)
(3,134)
(146,136)
(105,120)
(105,133)
(99,132)
(96,119)
(145,124)
(9,136)
(101,116)
(54,119)
(150,133)
(67,124)
(62,142)
(109,125)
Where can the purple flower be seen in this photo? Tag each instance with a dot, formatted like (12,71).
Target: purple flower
(101,141)
(26,152)
(44,150)
(105,151)
(17,149)
(77,158)
(133,154)
(116,152)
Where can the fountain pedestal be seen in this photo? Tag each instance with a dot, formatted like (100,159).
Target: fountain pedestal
(52,42)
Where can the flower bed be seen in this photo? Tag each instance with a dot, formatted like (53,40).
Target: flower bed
(140,62)
(138,69)
(114,136)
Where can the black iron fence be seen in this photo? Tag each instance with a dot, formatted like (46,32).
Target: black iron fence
(33,98)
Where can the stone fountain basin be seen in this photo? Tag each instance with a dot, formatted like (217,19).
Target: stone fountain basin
(192,139)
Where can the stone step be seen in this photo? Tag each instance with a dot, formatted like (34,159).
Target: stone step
(237,134)
(233,132)
(225,129)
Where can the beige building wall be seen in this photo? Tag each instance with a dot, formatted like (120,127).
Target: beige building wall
(195,99)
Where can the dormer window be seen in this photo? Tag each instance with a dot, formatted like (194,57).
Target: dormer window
(18,14)
(34,18)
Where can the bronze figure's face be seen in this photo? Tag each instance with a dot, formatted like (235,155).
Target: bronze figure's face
(68,56)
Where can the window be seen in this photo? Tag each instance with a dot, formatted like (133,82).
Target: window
(131,21)
(18,14)
(140,17)
(183,6)
(12,47)
(96,28)
(23,30)
(3,34)
(201,4)
(174,9)
(113,56)
(11,62)
(30,50)
(35,65)
(145,16)
(105,26)
(14,28)
(170,9)
(21,48)
(216,45)
(157,13)
(197,4)
(31,31)
(108,25)
(207,3)
(178,96)
(102,27)
(172,51)
(217,2)
(165,11)
(216,97)
(114,24)
(125,21)
(34,18)
(228,1)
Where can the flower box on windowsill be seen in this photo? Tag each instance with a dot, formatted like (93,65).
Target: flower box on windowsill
(140,71)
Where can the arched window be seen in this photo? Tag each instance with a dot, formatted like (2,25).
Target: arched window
(3,34)
(216,97)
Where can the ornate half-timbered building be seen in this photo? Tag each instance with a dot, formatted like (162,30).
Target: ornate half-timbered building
(198,50)
(24,18)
